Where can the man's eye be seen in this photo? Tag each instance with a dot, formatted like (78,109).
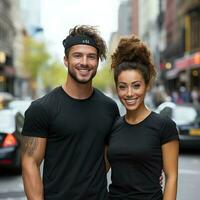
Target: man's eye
(93,57)
(77,55)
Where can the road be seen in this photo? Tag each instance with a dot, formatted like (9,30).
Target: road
(11,187)
(189,176)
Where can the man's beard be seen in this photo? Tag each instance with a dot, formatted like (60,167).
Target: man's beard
(73,75)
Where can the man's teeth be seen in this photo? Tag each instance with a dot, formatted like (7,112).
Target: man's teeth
(83,69)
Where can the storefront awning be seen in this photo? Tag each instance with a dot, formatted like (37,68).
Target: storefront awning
(188,61)
(172,74)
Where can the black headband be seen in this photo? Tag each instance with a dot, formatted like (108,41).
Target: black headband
(78,39)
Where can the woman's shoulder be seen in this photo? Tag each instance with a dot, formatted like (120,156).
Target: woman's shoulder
(166,127)
(160,119)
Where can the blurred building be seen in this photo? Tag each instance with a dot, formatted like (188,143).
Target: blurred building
(134,4)
(17,20)
(128,18)
(148,27)
(127,22)
(124,25)
(181,57)
(28,25)
(171,28)
(124,18)
(7,34)
(31,16)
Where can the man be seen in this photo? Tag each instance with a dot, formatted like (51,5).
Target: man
(68,128)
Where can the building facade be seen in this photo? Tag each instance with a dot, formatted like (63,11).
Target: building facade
(125,18)
(7,34)
(181,56)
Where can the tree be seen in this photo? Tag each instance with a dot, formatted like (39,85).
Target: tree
(34,57)
(104,78)
(54,74)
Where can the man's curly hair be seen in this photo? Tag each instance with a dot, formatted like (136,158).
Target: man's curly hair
(92,32)
(132,53)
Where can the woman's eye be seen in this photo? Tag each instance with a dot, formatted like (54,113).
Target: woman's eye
(122,87)
(136,86)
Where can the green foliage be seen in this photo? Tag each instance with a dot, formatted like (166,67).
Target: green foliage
(37,62)
(53,75)
(104,78)
(34,57)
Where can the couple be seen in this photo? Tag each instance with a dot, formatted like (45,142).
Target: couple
(71,127)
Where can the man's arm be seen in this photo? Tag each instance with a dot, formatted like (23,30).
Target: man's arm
(32,153)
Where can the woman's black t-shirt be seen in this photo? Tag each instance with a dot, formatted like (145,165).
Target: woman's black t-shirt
(135,155)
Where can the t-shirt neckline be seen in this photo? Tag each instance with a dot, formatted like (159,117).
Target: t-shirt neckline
(76,99)
(139,123)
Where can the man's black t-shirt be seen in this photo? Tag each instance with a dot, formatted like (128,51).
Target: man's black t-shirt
(76,132)
(135,155)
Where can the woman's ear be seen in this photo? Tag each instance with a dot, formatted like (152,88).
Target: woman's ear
(148,87)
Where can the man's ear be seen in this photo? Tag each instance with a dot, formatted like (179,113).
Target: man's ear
(65,61)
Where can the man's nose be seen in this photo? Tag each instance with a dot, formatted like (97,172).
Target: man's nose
(84,60)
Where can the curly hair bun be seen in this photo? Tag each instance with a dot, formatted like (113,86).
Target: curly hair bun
(131,49)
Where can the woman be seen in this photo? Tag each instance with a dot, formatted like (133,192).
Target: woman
(142,143)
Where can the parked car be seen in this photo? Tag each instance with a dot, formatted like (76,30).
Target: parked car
(19,105)
(11,124)
(187,118)
(5,98)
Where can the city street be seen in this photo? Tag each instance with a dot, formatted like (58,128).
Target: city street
(189,176)
(56,55)
(11,187)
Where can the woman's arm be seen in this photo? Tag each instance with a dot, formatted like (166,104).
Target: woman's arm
(106,159)
(170,153)
(32,151)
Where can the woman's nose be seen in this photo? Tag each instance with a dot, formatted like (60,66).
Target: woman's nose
(129,91)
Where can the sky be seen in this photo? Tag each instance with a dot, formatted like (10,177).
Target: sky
(57,17)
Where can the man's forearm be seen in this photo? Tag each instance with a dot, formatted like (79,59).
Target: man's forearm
(33,184)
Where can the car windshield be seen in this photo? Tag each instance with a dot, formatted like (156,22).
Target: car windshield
(184,115)
(19,105)
(7,121)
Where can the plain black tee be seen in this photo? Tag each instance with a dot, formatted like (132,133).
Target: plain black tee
(135,156)
(76,132)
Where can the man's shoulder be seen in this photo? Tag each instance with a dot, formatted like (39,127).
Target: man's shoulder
(46,101)
(49,97)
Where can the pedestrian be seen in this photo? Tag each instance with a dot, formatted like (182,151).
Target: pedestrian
(195,96)
(68,128)
(142,142)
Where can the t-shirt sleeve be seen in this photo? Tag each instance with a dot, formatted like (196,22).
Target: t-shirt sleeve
(115,116)
(169,131)
(36,121)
